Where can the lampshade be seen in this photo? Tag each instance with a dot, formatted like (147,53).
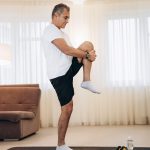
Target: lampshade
(5,54)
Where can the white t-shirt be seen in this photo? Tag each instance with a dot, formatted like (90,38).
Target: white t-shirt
(58,63)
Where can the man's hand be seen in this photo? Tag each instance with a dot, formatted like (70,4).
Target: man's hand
(92,56)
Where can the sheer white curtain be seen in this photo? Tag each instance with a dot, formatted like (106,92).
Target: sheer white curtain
(128,54)
(120,31)
(21,26)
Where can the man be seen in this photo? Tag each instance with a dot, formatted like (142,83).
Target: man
(63,63)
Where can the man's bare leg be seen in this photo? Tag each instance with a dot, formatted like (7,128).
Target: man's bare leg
(87,83)
(87,65)
(64,118)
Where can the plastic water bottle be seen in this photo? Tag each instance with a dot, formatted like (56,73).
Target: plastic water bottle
(130,145)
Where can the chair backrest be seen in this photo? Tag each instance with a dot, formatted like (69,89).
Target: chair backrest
(24,97)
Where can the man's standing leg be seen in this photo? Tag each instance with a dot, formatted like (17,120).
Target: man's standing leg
(64,118)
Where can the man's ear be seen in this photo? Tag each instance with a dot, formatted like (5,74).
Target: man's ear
(57,14)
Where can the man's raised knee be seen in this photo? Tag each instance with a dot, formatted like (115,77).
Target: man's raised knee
(86,46)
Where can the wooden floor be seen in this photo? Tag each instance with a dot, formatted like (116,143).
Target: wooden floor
(103,136)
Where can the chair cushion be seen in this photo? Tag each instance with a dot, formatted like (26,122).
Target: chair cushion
(15,116)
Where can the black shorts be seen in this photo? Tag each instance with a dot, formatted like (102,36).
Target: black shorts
(63,85)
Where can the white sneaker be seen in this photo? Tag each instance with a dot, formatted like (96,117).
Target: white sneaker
(63,147)
(89,86)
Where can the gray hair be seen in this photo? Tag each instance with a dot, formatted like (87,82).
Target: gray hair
(60,8)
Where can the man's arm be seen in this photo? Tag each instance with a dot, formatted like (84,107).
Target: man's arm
(68,50)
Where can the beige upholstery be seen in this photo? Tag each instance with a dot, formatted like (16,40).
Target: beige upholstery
(19,110)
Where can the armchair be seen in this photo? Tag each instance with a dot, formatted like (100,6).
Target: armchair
(19,110)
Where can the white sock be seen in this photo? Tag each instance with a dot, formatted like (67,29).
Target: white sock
(89,86)
(63,147)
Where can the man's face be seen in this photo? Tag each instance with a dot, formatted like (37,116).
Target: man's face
(62,19)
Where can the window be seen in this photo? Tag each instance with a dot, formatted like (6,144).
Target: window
(27,63)
(128,50)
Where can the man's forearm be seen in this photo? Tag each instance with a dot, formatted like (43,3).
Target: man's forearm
(75,52)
